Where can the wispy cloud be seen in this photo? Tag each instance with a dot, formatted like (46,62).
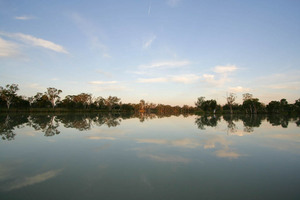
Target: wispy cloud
(107,74)
(147,44)
(185,78)
(152,80)
(225,69)
(287,80)
(102,82)
(109,88)
(36,86)
(213,81)
(239,89)
(173,3)
(287,86)
(8,49)
(94,35)
(165,64)
(34,41)
(106,55)
(24,17)
(149,8)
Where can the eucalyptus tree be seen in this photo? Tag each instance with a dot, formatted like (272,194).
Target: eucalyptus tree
(9,93)
(142,105)
(99,102)
(30,100)
(208,105)
(252,104)
(53,95)
(230,101)
(111,102)
(200,102)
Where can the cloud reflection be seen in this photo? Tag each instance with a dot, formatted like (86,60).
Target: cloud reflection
(27,181)
(227,153)
(100,138)
(166,158)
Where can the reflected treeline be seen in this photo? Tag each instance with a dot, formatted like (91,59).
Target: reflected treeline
(49,124)
(9,123)
(249,121)
(45,123)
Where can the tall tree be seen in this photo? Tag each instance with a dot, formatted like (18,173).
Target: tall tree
(142,105)
(9,93)
(230,101)
(200,101)
(53,95)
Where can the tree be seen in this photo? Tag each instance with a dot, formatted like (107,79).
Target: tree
(273,107)
(99,101)
(30,100)
(142,105)
(230,101)
(9,93)
(200,101)
(252,104)
(53,95)
(111,102)
(84,99)
(41,100)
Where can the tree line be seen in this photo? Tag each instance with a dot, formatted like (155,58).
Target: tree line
(86,101)
(249,106)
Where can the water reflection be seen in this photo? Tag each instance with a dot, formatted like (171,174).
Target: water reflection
(9,123)
(49,124)
(144,154)
(45,123)
(203,121)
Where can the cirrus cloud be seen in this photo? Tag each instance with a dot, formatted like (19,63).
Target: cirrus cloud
(8,49)
(24,17)
(166,64)
(34,41)
(152,80)
(102,82)
(224,69)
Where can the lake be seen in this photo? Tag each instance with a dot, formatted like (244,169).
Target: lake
(114,156)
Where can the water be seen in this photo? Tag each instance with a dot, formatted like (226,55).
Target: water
(149,157)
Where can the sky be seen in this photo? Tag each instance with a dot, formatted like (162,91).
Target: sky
(162,51)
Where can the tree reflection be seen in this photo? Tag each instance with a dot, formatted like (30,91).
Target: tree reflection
(80,122)
(46,123)
(49,124)
(231,126)
(251,121)
(203,121)
(110,120)
(279,120)
(8,123)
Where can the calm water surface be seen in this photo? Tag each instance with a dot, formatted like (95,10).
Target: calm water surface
(149,157)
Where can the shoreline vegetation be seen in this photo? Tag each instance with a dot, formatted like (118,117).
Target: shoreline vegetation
(51,102)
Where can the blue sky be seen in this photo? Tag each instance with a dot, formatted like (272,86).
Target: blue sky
(167,51)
